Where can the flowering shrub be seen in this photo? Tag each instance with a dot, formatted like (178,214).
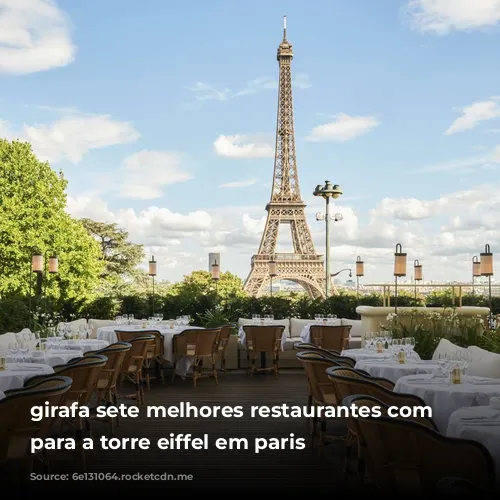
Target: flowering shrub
(44,321)
(429,327)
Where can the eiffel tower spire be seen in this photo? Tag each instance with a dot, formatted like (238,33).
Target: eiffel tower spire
(303,265)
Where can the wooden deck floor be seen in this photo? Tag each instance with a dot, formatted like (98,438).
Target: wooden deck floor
(213,469)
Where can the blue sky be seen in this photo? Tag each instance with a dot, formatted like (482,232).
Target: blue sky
(150,107)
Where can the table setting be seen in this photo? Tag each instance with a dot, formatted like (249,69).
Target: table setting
(13,375)
(320,320)
(481,424)
(444,394)
(167,328)
(383,348)
(257,320)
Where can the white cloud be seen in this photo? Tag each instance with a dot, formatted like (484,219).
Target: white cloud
(239,184)
(145,173)
(443,16)
(464,165)
(475,113)
(443,233)
(344,128)
(205,91)
(164,234)
(34,36)
(415,209)
(71,137)
(244,146)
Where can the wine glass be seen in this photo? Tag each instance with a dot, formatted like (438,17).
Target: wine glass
(14,350)
(411,346)
(443,363)
(24,349)
(396,347)
(467,358)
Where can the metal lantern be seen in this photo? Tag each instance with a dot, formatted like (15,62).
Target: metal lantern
(359,267)
(417,271)
(399,261)
(273,269)
(53,264)
(215,271)
(152,267)
(476,266)
(37,263)
(486,262)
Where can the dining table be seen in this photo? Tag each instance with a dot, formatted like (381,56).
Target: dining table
(183,366)
(445,397)
(15,374)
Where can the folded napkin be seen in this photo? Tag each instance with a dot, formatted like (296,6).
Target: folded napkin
(24,368)
(482,423)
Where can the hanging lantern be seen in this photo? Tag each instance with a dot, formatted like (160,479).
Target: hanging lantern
(273,271)
(215,271)
(476,266)
(152,267)
(37,263)
(417,271)
(486,262)
(399,261)
(359,267)
(53,264)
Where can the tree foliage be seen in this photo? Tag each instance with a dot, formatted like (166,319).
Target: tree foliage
(121,257)
(33,218)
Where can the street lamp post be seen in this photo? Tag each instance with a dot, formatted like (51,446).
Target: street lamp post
(417,274)
(476,270)
(487,270)
(326,192)
(152,273)
(399,270)
(272,273)
(359,272)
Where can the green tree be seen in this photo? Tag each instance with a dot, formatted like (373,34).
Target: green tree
(201,283)
(33,217)
(121,257)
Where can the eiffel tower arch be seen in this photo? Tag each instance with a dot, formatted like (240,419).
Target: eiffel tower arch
(286,207)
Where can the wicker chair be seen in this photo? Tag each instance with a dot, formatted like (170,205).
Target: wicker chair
(108,377)
(330,337)
(321,390)
(262,340)
(332,354)
(155,352)
(225,334)
(410,457)
(348,382)
(133,364)
(17,427)
(198,344)
(84,372)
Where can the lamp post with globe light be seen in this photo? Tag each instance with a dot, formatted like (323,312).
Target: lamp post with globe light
(326,192)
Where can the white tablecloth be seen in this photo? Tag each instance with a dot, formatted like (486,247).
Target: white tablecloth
(243,338)
(392,370)
(2,395)
(359,354)
(305,334)
(444,398)
(15,374)
(183,365)
(51,358)
(81,345)
(481,424)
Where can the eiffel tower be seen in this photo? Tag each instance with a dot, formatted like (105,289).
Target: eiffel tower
(304,266)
